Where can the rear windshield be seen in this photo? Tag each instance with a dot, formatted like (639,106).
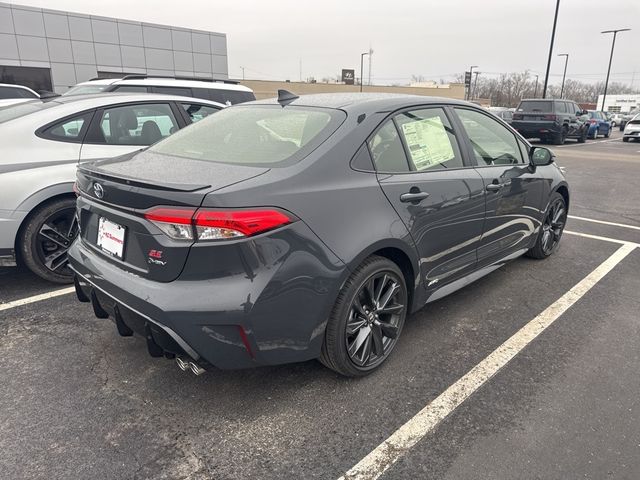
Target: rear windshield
(263,135)
(20,110)
(535,106)
(84,89)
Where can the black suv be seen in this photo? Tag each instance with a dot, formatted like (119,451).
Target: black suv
(552,121)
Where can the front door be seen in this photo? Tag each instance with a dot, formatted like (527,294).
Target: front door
(513,192)
(439,198)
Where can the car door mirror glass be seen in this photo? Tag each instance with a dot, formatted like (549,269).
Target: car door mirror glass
(541,156)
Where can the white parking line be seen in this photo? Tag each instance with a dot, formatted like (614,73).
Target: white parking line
(36,298)
(587,143)
(604,239)
(593,220)
(403,439)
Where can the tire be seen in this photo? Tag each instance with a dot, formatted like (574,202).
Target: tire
(595,134)
(625,139)
(613,124)
(583,138)
(551,230)
(354,325)
(608,134)
(46,237)
(559,138)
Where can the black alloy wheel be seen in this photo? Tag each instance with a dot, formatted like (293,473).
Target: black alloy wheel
(367,318)
(372,326)
(47,237)
(552,227)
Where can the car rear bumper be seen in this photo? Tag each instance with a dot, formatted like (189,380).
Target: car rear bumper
(536,129)
(272,312)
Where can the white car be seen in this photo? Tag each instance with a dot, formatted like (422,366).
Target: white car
(11,94)
(42,142)
(632,129)
(228,92)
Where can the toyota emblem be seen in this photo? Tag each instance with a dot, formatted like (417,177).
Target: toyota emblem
(98,191)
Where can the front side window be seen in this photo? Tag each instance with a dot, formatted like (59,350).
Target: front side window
(492,143)
(198,111)
(143,124)
(431,143)
(254,135)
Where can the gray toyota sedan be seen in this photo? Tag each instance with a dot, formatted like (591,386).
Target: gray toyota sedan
(308,227)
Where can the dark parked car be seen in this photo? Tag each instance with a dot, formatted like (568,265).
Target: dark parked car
(598,124)
(283,231)
(552,121)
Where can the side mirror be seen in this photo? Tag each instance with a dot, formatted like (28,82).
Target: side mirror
(541,156)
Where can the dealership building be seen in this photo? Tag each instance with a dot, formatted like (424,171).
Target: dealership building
(53,50)
(619,103)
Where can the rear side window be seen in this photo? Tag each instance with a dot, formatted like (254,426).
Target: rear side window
(387,150)
(561,107)
(197,111)
(535,106)
(180,91)
(431,144)
(69,130)
(227,97)
(12,92)
(254,135)
(137,124)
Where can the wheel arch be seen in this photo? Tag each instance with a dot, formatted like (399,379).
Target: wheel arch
(402,255)
(563,190)
(37,200)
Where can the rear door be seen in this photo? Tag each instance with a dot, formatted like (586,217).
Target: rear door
(512,191)
(122,129)
(437,195)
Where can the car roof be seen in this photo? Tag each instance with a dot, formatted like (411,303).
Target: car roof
(99,99)
(169,82)
(371,102)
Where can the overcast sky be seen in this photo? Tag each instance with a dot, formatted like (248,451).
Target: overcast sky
(433,38)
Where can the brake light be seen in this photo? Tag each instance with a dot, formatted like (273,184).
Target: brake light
(549,117)
(211,224)
(593,121)
(221,224)
(174,222)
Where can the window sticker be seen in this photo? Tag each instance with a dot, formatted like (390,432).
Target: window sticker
(428,142)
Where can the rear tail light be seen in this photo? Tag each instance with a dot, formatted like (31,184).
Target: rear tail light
(549,117)
(593,121)
(211,224)
(517,116)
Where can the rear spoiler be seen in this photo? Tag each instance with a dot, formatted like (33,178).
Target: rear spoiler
(138,182)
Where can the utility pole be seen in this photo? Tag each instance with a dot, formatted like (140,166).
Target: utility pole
(613,45)
(566,60)
(475,84)
(242,72)
(553,36)
(470,76)
(535,93)
(361,67)
(370,57)
(300,70)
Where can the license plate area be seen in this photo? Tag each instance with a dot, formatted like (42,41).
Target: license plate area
(111,237)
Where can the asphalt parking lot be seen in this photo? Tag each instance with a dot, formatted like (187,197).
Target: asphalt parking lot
(530,372)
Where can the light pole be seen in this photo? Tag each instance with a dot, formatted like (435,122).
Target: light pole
(475,84)
(242,72)
(535,92)
(470,76)
(361,67)
(553,36)
(566,60)
(613,44)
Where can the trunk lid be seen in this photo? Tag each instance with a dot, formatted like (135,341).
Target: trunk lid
(114,195)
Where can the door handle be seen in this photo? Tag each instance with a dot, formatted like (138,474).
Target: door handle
(495,186)
(413,197)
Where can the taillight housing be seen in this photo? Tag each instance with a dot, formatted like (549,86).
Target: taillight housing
(549,117)
(592,121)
(206,224)
(517,116)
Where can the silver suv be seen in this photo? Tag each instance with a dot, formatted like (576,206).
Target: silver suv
(42,142)
(228,92)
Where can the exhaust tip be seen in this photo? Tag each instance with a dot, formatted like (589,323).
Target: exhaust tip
(182,364)
(185,365)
